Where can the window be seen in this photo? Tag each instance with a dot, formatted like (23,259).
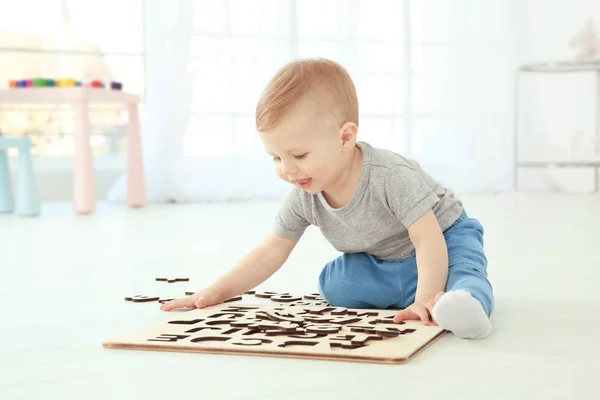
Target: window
(239,44)
(77,39)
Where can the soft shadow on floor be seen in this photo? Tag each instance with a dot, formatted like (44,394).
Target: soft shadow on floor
(544,327)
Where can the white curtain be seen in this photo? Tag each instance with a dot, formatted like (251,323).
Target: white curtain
(434,79)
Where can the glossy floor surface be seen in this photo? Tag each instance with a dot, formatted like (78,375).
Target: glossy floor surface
(63,279)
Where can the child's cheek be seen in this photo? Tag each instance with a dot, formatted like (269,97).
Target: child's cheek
(280,175)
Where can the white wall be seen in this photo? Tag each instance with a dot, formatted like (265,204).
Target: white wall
(558,111)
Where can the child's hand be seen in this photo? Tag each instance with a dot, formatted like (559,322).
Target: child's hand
(420,309)
(197,300)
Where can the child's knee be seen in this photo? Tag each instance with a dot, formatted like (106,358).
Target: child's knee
(358,281)
(333,287)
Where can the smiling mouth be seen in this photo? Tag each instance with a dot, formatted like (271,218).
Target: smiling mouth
(304,183)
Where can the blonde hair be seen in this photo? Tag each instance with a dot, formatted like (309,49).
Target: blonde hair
(296,79)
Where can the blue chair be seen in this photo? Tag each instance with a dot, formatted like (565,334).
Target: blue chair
(27,198)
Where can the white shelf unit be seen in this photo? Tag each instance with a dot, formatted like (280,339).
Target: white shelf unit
(558,67)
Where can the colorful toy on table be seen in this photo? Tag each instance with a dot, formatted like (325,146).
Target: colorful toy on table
(65,83)
(43,82)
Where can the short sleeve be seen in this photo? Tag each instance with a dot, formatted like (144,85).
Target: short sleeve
(290,221)
(408,194)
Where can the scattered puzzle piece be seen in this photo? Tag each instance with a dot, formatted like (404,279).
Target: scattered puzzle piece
(172,280)
(268,295)
(285,298)
(314,297)
(140,298)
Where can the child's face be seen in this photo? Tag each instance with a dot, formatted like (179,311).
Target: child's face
(307,149)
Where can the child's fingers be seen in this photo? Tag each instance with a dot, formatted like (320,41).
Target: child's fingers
(402,315)
(423,314)
(177,303)
(429,306)
(201,302)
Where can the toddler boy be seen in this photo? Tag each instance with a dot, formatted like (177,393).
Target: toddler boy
(406,240)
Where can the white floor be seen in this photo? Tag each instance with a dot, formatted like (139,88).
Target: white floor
(63,278)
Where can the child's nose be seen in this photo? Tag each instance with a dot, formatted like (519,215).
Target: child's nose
(287,168)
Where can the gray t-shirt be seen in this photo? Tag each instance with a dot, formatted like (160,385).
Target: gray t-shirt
(393,192)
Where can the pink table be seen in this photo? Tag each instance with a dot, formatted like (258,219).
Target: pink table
(84,188)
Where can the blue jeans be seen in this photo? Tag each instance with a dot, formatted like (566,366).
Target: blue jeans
(360,280)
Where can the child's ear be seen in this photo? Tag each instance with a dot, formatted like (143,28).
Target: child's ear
(348,133)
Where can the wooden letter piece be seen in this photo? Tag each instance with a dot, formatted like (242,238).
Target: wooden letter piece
(283,316)
(268,295)
(318,318)
(345,344)
(251,341)
(314,297)
(307,335)
(323,328)
(172,280)
(331,310)
(226,315)
(236,298)
(345,320)
(284,326)
(387,320)
(141,299)
(362,314)
(278,332)
(167,337)
(297,343)
(243,323)
(391,331)
(187,322)
(218,321)
(242,309)
(201,328)
(302,304)
(161,300)
(210,338)
(356,339)
(285,298)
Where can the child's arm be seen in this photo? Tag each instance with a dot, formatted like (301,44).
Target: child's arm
(432,256)
(256,267)
(432,266)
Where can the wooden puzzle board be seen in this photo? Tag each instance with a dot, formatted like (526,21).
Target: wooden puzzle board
(331,333)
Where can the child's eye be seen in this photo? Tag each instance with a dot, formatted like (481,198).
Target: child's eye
(301,156)
(276,158)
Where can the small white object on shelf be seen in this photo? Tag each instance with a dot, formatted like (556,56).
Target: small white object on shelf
(587,43)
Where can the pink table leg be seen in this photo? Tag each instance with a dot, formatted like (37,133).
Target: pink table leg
(136,187)
(84,188)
